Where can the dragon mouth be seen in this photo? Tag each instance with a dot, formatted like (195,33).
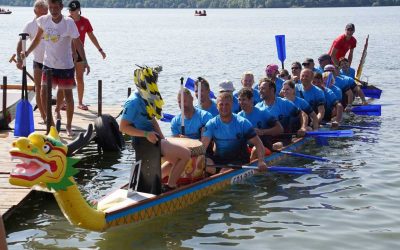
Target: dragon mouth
(30,167)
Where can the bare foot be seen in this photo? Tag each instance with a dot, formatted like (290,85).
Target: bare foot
(70,133)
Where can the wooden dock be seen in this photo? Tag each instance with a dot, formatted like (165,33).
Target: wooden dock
(12,196)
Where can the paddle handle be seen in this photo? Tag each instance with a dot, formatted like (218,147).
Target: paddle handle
(24,94)
(283,170)
(182,109)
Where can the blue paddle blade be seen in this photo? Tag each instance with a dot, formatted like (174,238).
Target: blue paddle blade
(289,170)
(280,46)
(24,124)
(331,133)
(371,110)
(167,117)
(357,127)
(190,86)
(372,92)
(322,140)
(312,157)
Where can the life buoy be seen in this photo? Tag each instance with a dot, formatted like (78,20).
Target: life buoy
(108,136)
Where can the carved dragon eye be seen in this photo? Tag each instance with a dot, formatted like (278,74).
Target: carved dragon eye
(47,148)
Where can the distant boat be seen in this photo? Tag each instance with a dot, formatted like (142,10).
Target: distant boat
(6,12)
(200,13)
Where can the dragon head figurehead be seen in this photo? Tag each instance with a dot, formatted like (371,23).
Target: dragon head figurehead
(43,161)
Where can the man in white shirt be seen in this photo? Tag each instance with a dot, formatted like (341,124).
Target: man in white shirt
(58,32)
(40,8)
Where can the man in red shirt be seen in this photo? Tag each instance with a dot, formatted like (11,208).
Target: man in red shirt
(342,44)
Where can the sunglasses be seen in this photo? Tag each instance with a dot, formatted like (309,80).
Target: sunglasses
(350,29)
(306,64)
(293,68)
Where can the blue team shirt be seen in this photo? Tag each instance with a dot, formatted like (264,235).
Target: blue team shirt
(278,83)
(331,99)
(337,91)
(284,110)
(230,138)
(344,82)
(303,105)
(261,119)
(314,96)
(236,106)
(350,73)
(212,109)
(193,125)
(135,112)
(256,96)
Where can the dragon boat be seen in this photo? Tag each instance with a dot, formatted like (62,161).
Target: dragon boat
(46,165)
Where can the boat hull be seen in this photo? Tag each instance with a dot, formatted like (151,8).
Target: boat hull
(170,202)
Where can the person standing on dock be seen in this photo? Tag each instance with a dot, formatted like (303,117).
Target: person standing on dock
(84,27)
(343,44)
(40,8)
(59,33)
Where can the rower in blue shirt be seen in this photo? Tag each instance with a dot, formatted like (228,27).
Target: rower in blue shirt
(272,72)
(312,94)
(137,122)
(343,83)
(195,119)
(248,82)
(345,68)
(265,124)
(230,133)
(333,106)
(227,86)
(288,91)
(291,118)
(206,103)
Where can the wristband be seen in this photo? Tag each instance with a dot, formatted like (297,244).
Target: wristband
(146,134)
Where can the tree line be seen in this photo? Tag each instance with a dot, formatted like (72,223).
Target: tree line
(202,4)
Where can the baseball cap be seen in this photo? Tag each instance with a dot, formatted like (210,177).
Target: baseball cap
(308,61)
(226,86)
(271,69)
(74,5)
(350,26)
(329,67)
(324,57)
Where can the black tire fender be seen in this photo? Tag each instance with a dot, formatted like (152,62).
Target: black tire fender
(108,136)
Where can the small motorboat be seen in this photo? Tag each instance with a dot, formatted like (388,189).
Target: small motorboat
(200,13)
(5,11)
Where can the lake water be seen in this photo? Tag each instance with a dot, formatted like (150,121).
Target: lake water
(355,207)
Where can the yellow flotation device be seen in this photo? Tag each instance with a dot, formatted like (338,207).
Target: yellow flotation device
(145,79)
